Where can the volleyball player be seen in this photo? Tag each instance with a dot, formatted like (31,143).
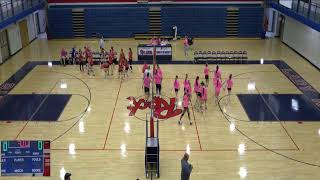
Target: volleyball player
(196,88)
(146,84)
(81,60)
(105,66)
(185,103)
(206,74)
(157,78)
(229,85)
(218,86)
(90,65)
(185,82)
(204,95)
(217,74)
(176,86)
(63,56)
(110,60)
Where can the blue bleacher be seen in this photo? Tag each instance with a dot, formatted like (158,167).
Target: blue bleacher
(116,22)
(194,21)
(250,22)
(60,27)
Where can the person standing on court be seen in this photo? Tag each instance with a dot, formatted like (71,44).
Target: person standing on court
(101,42)
(186,168)
(186,46)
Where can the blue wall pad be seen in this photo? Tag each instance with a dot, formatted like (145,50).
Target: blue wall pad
(34,107)
(285,107)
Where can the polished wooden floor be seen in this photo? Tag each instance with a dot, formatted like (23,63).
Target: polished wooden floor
(110,145)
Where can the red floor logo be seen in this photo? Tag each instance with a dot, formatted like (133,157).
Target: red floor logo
(162,109)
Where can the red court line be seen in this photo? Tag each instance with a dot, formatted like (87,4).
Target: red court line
(114,108)
(195,123)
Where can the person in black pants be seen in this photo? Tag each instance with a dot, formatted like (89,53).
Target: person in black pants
(81,62)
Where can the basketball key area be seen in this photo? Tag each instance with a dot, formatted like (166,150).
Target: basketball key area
(89,121)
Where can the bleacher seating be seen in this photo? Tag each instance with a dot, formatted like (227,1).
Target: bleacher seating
(194,21)
(250,22)
(60,27)
(222,56)
(116,22)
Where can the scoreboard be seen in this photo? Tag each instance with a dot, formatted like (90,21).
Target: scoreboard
(25,158)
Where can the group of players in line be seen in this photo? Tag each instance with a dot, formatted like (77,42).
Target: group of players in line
(107,60)
(200,89)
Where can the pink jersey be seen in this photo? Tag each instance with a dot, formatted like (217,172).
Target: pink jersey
(185,101)
(63,53)
(217,74)
(157,79)
(176,84)
(218,86)
(188,88)
(146,82)
(185,82)
(229,83)
(145,66)
(206,70)
(185,42)
(196,86)
(204,94)
(159,71)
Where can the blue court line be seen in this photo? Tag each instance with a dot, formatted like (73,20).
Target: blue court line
(309,91)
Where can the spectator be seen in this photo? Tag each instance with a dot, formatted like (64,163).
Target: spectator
(186,168)
(67,176)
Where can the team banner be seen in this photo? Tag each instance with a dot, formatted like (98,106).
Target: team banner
(148,51)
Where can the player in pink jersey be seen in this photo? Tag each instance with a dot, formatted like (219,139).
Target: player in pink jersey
(206,74)
(90,66)
(218,86)
(229,84)
(217,74)
(186,46)
(185,82)
(105,67)
(157,79)
(160,71)
(204,95)
(63,56)
(185,103)
(144,67)
(196,89)
(146,85)
(176,86)
(189,89)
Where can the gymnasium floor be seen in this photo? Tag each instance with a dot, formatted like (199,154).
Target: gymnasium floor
(277,123)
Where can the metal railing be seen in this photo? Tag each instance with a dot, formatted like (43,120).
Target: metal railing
(10,8)
(307,8)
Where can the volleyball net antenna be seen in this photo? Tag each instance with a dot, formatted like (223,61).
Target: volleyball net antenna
(152,149)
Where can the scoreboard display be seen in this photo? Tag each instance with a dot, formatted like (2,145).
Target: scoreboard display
(25,158)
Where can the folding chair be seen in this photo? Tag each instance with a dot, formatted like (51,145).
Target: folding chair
(209,55)
(218,55)
(214,55)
